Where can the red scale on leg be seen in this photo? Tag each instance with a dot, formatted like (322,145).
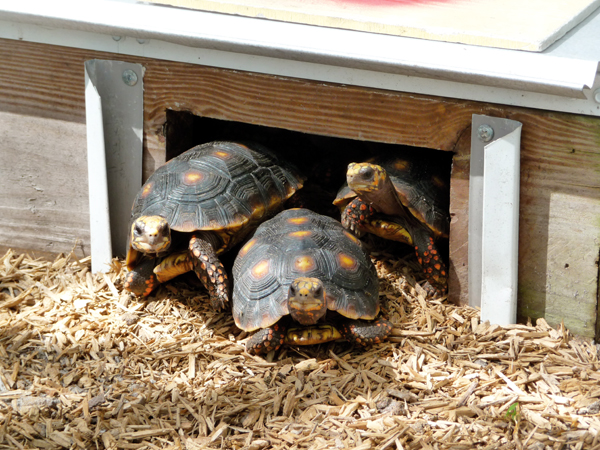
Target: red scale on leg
(434,268)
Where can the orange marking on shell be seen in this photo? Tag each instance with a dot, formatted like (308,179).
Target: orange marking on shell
(222,154)
(437,266)
(147,189)
(298,220)
(438,181)
(192,177)
(261,269)
(304,263)
(347,261)
(401,165)
(246,248)
(300,234)
(352,238)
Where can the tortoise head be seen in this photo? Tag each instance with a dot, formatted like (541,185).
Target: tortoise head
(150,234)
(306,300)
(374,187)
(366,178)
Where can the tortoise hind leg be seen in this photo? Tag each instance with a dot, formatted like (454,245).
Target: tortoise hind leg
(434,268)
(366,332)
(210,270)
(266,339)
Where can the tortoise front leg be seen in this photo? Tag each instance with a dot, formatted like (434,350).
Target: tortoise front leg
(366,332)
(360,217)
(266,339)
(209,269)
(141,280)
(356,214)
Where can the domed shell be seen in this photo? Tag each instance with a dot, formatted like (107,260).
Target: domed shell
(225,187)
(300,243)
(422,186)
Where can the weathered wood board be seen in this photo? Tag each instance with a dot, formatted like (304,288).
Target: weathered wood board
(43,184)
(560,163)
(524,25)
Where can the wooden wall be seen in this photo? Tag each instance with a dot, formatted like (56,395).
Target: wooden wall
(560,178)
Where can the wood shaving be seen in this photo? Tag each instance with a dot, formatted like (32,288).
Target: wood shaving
(85,365)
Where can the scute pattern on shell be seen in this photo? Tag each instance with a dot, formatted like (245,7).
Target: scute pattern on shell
(216,186)
(325,251)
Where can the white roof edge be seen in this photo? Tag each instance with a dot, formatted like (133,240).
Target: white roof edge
(498,68)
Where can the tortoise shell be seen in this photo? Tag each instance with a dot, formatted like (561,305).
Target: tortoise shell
(422,186)
(300,243)
(224,187)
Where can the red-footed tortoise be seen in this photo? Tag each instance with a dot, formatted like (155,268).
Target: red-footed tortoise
(200,204)
(402,198)
(303,279)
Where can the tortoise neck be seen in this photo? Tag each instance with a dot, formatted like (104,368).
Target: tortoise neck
(385,200)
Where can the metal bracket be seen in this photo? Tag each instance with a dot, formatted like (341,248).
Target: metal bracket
(494,217)
(114,121)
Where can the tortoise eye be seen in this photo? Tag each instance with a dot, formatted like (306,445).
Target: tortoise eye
(367,173)
(292,290)
(318,291)
(137,229)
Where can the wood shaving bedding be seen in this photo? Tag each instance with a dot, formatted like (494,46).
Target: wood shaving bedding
(85,365)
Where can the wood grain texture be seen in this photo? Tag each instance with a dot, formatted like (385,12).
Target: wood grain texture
(506,24)
(458,282)
(560,159)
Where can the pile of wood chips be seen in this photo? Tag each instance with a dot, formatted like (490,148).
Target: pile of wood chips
(85,365)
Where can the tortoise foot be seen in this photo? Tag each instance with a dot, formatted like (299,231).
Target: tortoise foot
(366,332)
(141,280)
(266,339)
(356,215)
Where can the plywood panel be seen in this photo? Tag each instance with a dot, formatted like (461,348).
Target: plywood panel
(515,24)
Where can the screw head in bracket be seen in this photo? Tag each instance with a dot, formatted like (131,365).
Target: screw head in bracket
(597,95)
(117,38)
(485,133)
(130,78)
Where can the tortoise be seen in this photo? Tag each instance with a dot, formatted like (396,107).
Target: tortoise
(303,279)
(402,198)
(200,204)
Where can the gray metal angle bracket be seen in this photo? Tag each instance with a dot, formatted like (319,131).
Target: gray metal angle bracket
(114,121)
(494,217)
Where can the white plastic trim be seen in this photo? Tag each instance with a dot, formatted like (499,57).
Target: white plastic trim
(500,233)
(101,247)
